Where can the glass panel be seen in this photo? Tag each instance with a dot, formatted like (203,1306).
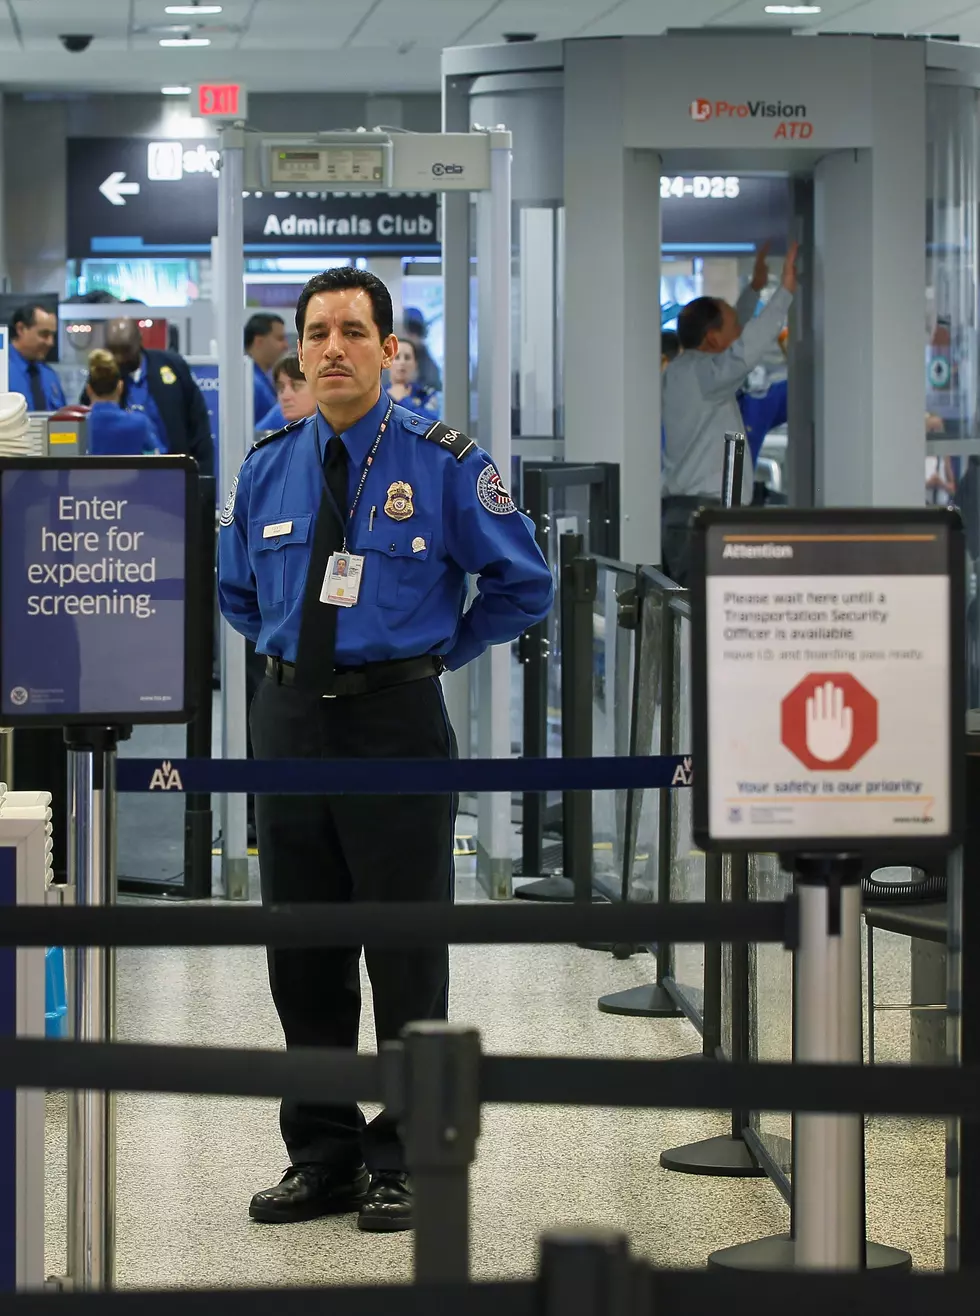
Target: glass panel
(612,690)
(646,804)
(952,351)
(534,335)
(686,862)
(771,1005)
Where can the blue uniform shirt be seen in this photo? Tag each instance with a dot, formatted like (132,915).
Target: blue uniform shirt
(113,432)
(272,420)
(264,397)
(137,397)
(20,381)
(460,522)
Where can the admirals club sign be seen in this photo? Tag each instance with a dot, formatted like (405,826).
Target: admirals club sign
(132,196)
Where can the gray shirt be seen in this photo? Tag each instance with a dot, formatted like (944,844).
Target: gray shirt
(700,406)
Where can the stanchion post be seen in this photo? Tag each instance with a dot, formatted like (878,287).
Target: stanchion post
(198,818)
(91,1115)
(438,1104)
(578,589)
(828,1180)
(587,1272)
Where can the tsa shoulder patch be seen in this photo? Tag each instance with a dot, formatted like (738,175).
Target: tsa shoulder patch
(227,516)
(454,441)
(492,493)
(167,375)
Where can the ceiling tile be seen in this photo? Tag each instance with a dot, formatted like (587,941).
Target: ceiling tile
(52,17)
(424,23)
(322,24)
(643,18)
(911,16)
(547,19)
(753,13)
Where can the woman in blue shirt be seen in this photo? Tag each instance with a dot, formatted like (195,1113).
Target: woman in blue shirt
(403,385)
(112,431)
(294,397)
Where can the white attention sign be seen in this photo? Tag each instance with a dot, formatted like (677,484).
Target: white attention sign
(827,667)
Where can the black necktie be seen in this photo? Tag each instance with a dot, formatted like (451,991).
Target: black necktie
(318,625)
(38,400)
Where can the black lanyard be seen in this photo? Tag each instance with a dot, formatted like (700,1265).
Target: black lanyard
(365,471)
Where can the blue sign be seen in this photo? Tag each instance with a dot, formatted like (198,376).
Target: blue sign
(206,378)
(94,581)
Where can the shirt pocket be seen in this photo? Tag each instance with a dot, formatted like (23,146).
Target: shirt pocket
(401,559)
(281,560)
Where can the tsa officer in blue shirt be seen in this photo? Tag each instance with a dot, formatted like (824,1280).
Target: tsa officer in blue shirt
(32,336)
(113,432)
(345,548)
(265,342)
(404,386)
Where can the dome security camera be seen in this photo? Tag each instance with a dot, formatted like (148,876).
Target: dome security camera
(76,44)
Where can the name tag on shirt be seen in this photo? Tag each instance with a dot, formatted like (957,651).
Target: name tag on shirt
(280,528)
(342,582)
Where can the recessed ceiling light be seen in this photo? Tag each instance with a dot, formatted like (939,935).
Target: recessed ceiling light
(175,91)
(186,41)
(770,9)
(193,9)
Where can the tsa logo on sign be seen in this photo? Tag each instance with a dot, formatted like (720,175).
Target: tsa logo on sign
(700,110)
(734,815)
(19,696)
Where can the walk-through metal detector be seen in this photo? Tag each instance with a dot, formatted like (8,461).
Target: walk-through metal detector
(362,161)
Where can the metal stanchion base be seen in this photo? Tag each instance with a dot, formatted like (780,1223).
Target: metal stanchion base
(724,1156)
(557,889)
(651,1002)
(779,1253)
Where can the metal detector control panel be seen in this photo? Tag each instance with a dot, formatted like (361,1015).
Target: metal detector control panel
(369,161)
(828,679)
(97,578)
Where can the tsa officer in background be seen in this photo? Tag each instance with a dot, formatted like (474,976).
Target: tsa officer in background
(265,342)
(32,336)
(345,548)
(161,385)
(113,432)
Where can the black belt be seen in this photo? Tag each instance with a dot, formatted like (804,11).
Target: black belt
(363,680)
(689,500)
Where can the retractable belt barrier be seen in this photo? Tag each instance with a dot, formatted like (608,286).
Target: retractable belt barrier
(369,776)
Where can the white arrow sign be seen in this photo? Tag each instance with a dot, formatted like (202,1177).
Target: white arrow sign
(116,191)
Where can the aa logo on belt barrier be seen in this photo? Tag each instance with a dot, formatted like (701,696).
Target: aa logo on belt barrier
(166,778)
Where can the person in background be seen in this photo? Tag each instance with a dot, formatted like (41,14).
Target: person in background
(721,344)
(161,385)
(32,336)
(404,386)
(113,432)
(265,342)
(670,347)
(429,375)
(294,397)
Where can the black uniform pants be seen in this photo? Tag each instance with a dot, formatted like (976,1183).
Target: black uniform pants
(352,848)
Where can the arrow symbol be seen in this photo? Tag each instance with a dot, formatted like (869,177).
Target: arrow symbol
(116,191)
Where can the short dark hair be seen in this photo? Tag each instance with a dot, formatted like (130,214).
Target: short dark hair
(341,278)
(697,319)
(670,344)
(259,325)
(287,365)
(26,315)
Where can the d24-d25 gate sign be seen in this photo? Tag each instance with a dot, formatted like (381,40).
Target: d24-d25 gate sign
(828,680)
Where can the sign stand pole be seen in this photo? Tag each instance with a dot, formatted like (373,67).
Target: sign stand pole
(91,1115)
(828,1150)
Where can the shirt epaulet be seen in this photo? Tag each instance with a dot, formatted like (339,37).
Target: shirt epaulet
(276,434)
(453,441)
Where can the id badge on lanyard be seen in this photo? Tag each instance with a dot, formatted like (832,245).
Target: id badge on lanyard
(342,579)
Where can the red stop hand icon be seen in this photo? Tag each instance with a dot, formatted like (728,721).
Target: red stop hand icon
(829,721)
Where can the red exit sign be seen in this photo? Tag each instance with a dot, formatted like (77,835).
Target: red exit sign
(221,100)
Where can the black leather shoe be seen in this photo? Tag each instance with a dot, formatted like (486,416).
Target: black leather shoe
(308,1192)
(388,1205)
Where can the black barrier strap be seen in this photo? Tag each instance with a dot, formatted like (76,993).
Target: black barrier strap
(509,1298)
(398,776)
(341,1076)
(693,1292)
(401,925)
